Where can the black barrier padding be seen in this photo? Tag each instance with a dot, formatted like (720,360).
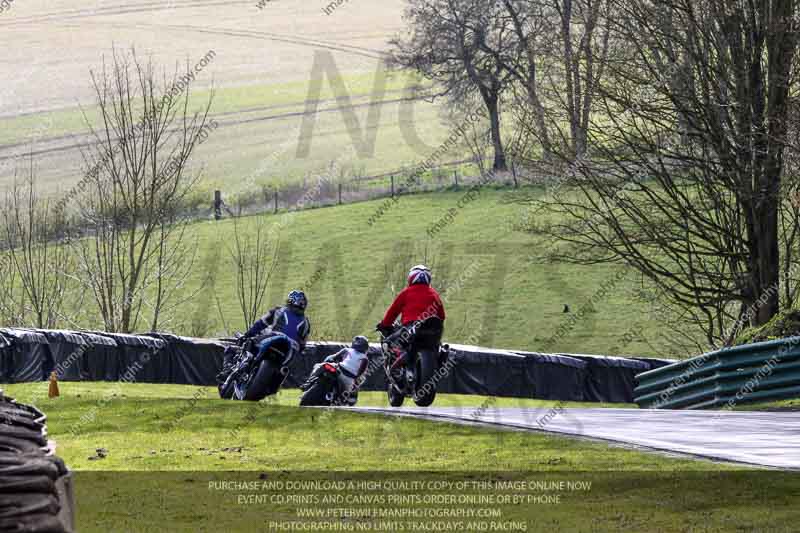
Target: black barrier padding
(556,377)
(6,359)
(65,348)
(29,362)
(610,385)
(144,365)
(67,354)
(102,363)
(28,357)
(494,373)
(70,351)
(66,364)
(611,379)
(191,361)
(139,359)
(197,364)
(6,348)
(166,358)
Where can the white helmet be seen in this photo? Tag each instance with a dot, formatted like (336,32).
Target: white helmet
(419,274)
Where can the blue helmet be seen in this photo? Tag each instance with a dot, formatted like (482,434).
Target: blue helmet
(419,274)
(297,299)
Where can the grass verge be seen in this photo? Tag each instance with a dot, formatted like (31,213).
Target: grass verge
(176,459)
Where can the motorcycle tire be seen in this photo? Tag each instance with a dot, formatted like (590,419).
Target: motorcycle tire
(315,396)
(426,369)
(259,386)
(396,398)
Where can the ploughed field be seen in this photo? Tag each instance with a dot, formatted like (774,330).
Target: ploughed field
(262,64)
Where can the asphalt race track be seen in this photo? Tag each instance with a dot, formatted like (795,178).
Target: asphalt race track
(769,439)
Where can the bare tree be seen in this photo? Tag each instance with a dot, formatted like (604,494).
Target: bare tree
(35,257)
(558,57)
(134,189)
(254,257)
(475,137)
(11,302)
(167,283)
(584,41)
(446,44)
(687,178)
(524,59)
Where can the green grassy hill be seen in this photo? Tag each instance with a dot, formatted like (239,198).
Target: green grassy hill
(495,295)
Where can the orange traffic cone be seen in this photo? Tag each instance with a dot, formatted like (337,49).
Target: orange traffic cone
(52,391)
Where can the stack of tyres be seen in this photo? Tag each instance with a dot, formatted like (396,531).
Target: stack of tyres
(35,486)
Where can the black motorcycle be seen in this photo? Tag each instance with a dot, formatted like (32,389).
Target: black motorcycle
(251,377)
(322,387)
(411,357)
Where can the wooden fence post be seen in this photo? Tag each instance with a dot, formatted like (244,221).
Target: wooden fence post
(392,186)
(514,173)
(455,176)
(217,205)
(275,197)
(340,193)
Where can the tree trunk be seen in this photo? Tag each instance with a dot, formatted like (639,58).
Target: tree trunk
(497,141)
(781,42)
(768,259)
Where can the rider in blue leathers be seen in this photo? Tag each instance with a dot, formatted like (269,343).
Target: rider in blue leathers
(290,319)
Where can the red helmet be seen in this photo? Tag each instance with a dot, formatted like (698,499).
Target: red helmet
(419,274)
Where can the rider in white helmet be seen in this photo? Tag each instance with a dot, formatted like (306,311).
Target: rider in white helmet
(353,362)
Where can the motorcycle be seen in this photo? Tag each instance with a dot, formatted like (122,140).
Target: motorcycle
(251,377)
(411,369)
(323,387)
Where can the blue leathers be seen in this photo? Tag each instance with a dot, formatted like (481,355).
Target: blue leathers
(288,320)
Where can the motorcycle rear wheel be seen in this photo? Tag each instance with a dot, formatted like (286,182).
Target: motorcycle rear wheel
(426,369)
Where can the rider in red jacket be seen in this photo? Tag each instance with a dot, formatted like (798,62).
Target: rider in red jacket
(417,302)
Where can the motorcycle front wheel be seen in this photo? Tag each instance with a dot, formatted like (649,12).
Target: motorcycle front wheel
(260,384)
(396,398)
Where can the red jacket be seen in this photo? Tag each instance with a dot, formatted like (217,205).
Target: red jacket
(414,303)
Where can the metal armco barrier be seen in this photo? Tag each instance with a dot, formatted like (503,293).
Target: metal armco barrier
(765,371)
